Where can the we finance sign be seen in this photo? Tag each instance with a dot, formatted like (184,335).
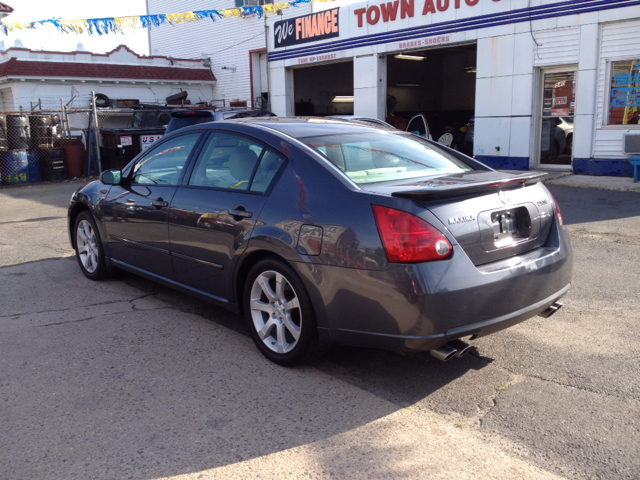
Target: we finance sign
(308,28)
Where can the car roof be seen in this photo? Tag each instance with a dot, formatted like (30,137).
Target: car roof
(191,111)
(300,127)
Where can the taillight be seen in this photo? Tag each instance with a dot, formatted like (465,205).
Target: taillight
(409,239)
(556,208)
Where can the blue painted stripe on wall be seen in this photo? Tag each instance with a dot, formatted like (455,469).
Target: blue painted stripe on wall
(618,167)
(504,163)
(571,7)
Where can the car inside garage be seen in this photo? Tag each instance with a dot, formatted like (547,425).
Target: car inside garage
(438,83)
(322,90)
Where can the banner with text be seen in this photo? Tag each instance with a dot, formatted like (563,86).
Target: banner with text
(308,28)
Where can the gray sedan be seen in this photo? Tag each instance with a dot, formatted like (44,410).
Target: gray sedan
(323,231)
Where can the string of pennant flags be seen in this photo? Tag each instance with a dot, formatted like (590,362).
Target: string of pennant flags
(104,26)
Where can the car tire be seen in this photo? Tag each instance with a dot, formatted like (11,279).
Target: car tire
(279,314)
(88,243)
(102,101)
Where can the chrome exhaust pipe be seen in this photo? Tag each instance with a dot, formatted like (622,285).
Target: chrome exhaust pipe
(444,353)
(461,347)
(553,308)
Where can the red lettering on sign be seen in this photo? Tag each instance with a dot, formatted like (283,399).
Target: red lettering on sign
(429,7)
(314,25)
(373,14)
(389,11)
(334,20)
(327,22)
(406,8)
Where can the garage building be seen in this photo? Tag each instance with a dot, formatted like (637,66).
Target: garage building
(519,84)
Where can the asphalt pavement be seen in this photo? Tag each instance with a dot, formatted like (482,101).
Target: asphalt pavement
(128,379)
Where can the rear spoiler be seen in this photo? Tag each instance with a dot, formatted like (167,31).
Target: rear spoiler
(443,189)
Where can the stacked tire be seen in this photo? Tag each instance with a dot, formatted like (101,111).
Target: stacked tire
(18,132)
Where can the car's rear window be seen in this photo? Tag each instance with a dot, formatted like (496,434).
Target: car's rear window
(246,114)
(380,157)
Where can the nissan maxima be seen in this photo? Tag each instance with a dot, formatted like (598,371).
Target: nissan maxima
(324,232)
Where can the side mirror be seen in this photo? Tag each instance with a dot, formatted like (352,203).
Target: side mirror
(111,177)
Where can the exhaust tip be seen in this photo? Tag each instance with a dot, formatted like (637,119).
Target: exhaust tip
(461,347)
(551,309)
(444,353)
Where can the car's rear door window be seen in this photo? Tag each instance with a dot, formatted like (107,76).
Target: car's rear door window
(164,164)
(235,163)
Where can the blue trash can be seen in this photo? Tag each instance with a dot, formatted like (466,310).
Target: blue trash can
(35,174)
(14,167)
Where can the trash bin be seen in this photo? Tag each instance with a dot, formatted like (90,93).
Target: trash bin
(121,145)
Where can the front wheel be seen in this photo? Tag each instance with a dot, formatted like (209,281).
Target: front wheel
(279,313)
(89,247)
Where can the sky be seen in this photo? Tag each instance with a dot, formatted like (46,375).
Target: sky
(46,37)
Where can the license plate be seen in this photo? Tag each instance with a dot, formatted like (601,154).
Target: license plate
(510,226)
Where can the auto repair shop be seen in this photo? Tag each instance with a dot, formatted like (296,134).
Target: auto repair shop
(507,80)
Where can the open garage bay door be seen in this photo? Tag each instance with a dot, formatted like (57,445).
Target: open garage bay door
(439,84)
(323,90)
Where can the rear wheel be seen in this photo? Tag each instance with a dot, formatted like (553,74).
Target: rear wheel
(279,313)
(89,247)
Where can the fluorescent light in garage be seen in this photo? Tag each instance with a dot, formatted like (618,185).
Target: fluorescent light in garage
(342,99)
(410,57)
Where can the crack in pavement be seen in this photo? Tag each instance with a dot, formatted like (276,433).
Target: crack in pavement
(575,387)
(484,411)
(111,302)
(63,323)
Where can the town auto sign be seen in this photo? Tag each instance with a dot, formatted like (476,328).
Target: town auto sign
(388,12)
(308,28)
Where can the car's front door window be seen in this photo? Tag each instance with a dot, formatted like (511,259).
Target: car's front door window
(165,163)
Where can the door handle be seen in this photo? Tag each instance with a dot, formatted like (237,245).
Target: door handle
(240,213)
(159,203)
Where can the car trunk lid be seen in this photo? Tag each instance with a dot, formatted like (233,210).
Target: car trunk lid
(492,215)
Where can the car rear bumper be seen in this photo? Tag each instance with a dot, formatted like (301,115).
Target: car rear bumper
(411,343)
(423,306)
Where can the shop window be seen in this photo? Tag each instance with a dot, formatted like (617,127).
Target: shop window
(624,97)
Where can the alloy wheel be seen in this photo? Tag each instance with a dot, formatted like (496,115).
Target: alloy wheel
(87,246)
(275,311)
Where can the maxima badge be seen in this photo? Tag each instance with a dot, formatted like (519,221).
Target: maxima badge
(466,218)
